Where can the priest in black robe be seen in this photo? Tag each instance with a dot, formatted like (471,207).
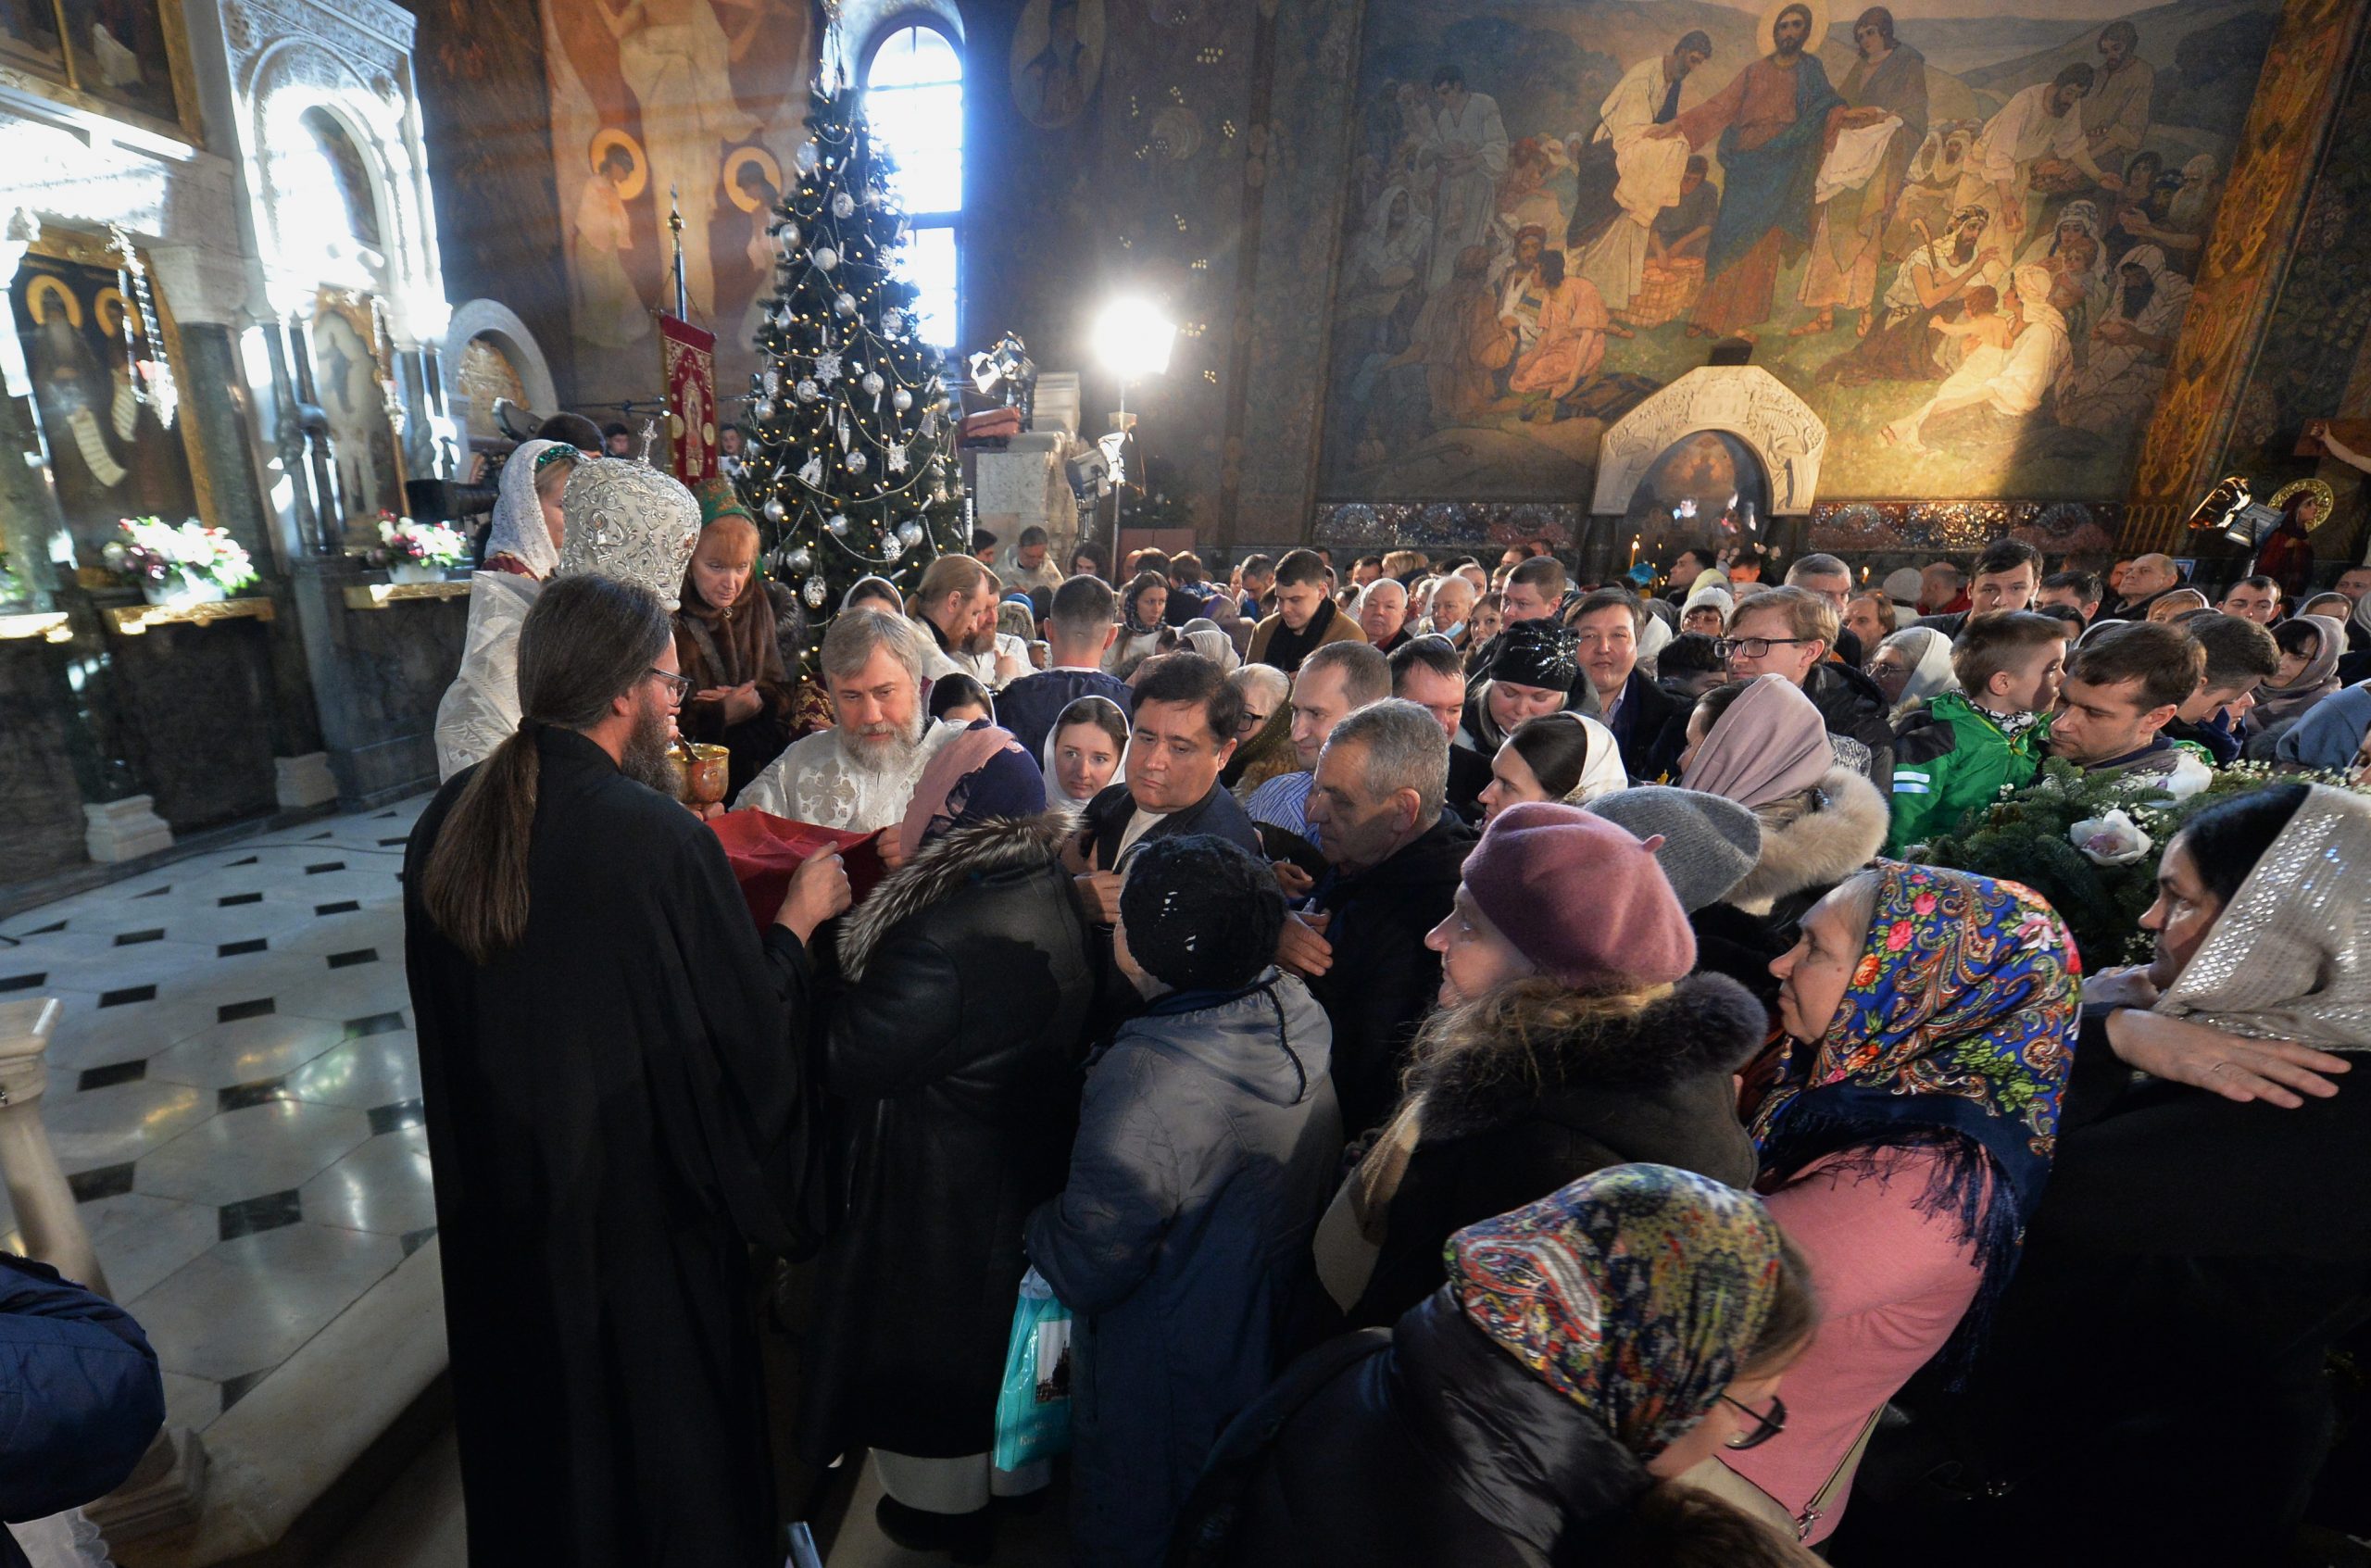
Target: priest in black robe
(617,1107)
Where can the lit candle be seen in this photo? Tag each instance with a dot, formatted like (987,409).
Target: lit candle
(1634,550)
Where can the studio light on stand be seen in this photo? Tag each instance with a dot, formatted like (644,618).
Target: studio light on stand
(1133,340)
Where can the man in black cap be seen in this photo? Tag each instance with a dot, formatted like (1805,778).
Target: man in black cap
(1530,672)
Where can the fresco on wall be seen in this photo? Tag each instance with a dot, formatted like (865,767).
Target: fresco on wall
(705,98)
(1056,59)
(1966,237)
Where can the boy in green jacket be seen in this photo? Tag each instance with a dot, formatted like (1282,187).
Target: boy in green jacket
(1955,752)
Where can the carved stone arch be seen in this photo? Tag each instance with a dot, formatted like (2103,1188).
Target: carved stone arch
(491,318)
(1745,401)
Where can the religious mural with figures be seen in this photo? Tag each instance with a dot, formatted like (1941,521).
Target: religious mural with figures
(702,98)
(1966,236)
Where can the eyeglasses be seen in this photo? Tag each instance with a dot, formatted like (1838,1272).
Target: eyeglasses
(1751,647)
(678,686)
(1766,1425)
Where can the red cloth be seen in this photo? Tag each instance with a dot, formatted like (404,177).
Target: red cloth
(990,425)
(765,849)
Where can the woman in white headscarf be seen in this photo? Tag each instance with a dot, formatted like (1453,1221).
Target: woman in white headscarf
(1205,637)
(2211,1191)
(1086,749)
(524,540)
(1910,666)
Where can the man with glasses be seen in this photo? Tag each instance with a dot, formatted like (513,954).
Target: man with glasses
(1787,632)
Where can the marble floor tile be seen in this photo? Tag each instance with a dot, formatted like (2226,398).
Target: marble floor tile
(262,1149)
(89,1035)
(122,1122)
(246,1305)
(191,1401)
(372,883)
(271,1046)
(143,1240)
(57,950)
(384,1186)
(147,963)
(268,918)
(322,935)
(375,1070)
(362,991)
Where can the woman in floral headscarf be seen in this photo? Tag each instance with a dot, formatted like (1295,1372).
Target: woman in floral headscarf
(1586,1348)
(953,1049)
(1905,1138)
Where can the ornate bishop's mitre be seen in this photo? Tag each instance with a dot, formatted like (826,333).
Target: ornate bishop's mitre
(628,521)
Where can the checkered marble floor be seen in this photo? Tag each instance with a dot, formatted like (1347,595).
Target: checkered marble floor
(234,1091)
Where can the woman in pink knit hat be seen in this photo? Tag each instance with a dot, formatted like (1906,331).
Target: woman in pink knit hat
(1571,1036)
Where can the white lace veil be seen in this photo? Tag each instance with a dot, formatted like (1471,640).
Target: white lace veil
(519,527)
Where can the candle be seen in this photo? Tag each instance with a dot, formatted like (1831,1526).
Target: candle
(1634,548)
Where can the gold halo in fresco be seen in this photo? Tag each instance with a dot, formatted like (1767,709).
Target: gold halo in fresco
(740,158)
(610,136)
(2320,491)
(45,288)
(110,307)
(1818,9)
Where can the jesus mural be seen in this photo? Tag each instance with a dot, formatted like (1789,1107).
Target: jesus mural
(1771,121)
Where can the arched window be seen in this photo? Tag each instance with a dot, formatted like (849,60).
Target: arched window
(913,96)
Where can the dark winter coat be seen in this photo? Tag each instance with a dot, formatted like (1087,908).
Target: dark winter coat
(1469,775)
(83,1397)
(1435,1447)
(1504,1125)
(1808,846)
(1651,727)
(953,1053)
(617,1111)
(2168,1336)
(1853,706)
(1207,1148)
(1383,979)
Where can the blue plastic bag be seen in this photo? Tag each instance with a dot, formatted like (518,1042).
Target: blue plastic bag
(1033,1406)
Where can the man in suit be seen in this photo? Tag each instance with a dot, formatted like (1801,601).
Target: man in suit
(1649,724)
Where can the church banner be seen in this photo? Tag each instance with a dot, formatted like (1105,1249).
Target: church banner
(687,357)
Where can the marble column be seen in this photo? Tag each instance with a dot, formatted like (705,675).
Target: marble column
(46,1216)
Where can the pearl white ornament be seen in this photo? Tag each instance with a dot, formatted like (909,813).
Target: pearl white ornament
(901,400)
(872,383)
(806,389)
(844,305)
(842,204)
(775,510)
(912,533)
(837,525)
(790,232)
(763,408)
(856,462)
(801,558)
(826,257)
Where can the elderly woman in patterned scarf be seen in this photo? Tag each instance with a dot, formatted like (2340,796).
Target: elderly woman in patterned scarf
(1588,1347)
(1905,1138)
(2212,1194)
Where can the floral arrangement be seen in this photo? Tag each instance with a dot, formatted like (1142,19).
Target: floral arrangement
(404,543)
(158,554)
(2091,844)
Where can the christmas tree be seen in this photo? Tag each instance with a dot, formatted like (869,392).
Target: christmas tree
(853,468)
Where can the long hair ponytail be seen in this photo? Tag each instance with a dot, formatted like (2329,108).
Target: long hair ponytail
(587,640)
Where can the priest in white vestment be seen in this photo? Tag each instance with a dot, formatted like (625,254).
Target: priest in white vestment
(859,775)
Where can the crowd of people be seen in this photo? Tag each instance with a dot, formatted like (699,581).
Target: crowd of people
(1487,1060)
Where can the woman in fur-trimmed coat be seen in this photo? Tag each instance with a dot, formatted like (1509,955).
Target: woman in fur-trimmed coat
(953,1050)
(1810,841)
(1533,1087)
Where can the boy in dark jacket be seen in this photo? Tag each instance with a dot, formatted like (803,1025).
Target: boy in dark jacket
(1208,1144)
(1956,752)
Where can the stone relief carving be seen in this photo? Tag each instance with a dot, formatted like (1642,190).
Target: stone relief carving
(1745,400)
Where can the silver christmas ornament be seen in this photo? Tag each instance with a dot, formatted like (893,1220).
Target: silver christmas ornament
(790,233)
(813,593)
(801,559)
(837,524)
(901,400)
(807,390)
(892,549)
(805,157)
(842,204)
(912,533)
(892,321)
(773,381)
(856,462)
(827,367)
(844,305)
(763,408)
(872,383)
(826,257)
(775,510)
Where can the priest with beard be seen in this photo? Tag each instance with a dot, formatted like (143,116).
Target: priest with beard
(859,774)
(616,1109)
